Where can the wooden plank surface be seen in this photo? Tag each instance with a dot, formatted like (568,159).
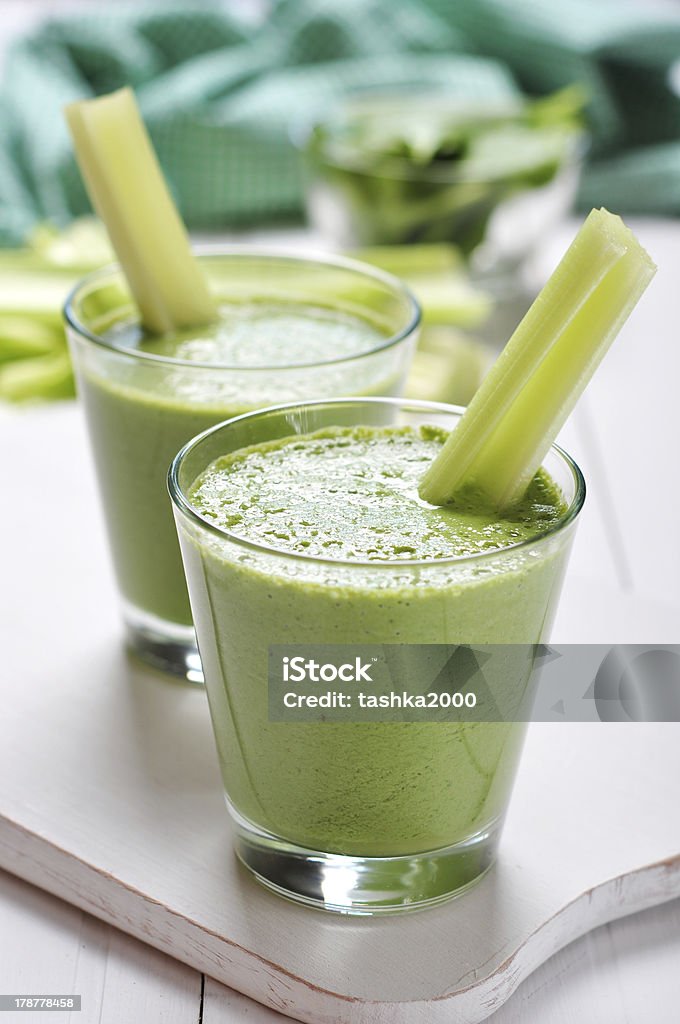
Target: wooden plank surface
(55,948)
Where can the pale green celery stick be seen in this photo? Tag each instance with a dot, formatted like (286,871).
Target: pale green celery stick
(83,245)
(22,338)
(436,273)
(38,294)
(561,107)
(45,377)
(446,299)
(444,339)
(450,376)
(15,261)
(408,260)
(515,416)
(80,247)
(429,378)
(128,191)
(470,356)
(517,151)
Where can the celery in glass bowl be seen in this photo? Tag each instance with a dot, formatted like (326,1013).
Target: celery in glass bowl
(491,177)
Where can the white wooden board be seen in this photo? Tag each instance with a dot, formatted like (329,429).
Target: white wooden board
(110,796)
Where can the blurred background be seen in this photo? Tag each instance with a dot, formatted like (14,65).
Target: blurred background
(443,141)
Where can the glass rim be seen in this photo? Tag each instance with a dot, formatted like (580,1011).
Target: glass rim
(182,503)
(283,255)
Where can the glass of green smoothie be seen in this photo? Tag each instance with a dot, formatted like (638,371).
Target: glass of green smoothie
(289,327)
(301,525)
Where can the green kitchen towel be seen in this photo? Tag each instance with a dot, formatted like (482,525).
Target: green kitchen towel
(627,54)
(223,95)
(220,97)
(596,42)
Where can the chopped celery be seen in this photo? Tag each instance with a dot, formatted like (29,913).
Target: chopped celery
(37,293)
(451,300)
(447,372)
(34,282)
(127,188)
(448,366)
(396,169)
(407,260)
(565,106)
(83,245)
(513,419)
(439,279)
(17,261)
(48,376)
(23,338)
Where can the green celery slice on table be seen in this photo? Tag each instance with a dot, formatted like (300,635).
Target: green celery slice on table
(411,260)
(450,300)
(508,428)
(128,190)
(48,376)
(38,294)
(437,275)
(23,338)
(447,367)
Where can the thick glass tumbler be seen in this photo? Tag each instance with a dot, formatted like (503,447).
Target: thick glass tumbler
(360,816)
(290,328)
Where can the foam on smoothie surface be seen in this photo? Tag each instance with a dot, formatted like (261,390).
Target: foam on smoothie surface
(261,333)
(352,494)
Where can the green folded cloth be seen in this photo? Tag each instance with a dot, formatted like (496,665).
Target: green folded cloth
(550,44)
(222,95)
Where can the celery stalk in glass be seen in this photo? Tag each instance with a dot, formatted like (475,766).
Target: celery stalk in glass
(128,190)
(515,416)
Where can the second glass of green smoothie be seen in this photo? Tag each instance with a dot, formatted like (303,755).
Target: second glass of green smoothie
(289,328)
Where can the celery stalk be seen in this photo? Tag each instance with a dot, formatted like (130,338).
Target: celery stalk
(515,416)
(36,294)
(451,300)
(447,366)
(437,276)
(81,246)
(47,376)
(407,260)
(127,188)
(23,338)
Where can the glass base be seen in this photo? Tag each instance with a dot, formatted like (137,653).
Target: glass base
(166,646)
(363,885)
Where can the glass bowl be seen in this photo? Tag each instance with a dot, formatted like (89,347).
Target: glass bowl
(492,178)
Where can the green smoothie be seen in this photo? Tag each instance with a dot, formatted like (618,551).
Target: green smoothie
(330,543)
(145,397)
